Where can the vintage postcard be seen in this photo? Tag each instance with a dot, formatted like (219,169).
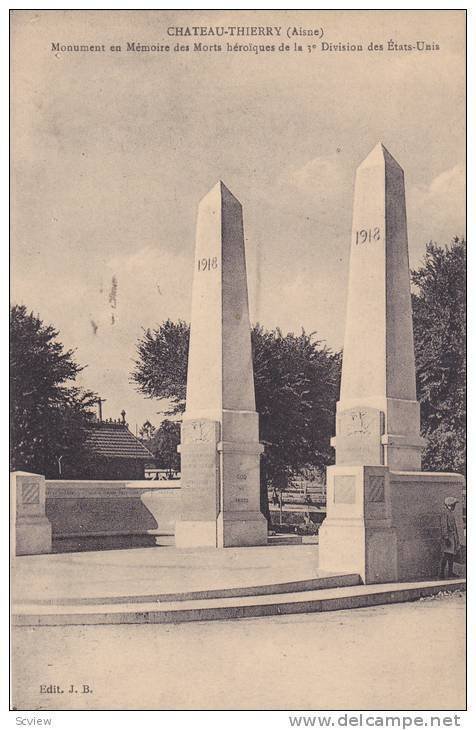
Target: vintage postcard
(238,361)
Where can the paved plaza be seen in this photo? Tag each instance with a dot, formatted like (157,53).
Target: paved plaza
(158,570)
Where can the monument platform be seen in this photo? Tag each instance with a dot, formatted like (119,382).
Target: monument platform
(141,571)
(165,585)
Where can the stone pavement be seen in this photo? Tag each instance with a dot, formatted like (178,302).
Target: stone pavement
(158,570)
(169,586)
(405,656)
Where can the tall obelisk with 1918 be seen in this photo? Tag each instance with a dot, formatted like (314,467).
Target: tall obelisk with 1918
(220,449)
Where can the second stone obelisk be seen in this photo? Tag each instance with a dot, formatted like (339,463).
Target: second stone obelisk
(220,449)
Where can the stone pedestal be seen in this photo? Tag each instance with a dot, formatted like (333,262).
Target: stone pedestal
(220,449)
(357,535)
(240,521)
(200,484)
(31,529)
(385,525)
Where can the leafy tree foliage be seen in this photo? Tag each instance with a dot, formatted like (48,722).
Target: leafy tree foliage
(146,431)
(48,412)
(296,385)
(439,320)
(161,367)
(163,443)
(297,378)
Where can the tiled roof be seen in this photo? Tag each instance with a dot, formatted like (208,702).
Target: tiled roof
(114,440)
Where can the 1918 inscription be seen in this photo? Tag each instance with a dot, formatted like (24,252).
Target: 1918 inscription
(366,235)
(207,264)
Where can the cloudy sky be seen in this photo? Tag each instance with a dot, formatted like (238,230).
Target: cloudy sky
(113,151)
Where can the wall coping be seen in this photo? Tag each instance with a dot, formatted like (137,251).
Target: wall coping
(97,484)
(415,476)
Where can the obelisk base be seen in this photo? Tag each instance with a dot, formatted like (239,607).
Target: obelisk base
(385,525)
(362,435)
(242,529)
(199,484)
(240,522)
(220,484)
(189,533)
(402,451)
(357,535)
(237,529)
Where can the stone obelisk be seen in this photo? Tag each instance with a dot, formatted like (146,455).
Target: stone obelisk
(382,512)
(378,416)
(220,449)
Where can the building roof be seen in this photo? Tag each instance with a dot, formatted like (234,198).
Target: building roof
(114,440)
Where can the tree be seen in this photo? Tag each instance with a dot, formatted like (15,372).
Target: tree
(48,413)
(296,386)
(439,321)
(163,444)
(146,431)
(161,367)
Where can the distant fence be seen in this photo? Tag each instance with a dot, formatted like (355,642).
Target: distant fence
(299,509)
(152,474)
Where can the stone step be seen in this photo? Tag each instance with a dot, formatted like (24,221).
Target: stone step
(332,599)
(295,586)
(285,539)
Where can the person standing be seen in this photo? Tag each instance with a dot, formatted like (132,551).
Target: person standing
(450,544)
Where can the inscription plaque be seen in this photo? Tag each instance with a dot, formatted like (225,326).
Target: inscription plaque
(241,482)
(199,483)
(30,491)
(344,489)
(376,488)
(358,439)
(198,431)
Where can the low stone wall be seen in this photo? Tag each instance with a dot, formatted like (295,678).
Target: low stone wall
(417,503)
(31,530)
(99,514)
(385,525)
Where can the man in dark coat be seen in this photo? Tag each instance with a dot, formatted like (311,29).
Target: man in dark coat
(450,544)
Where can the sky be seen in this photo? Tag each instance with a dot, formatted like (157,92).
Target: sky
(112,152)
